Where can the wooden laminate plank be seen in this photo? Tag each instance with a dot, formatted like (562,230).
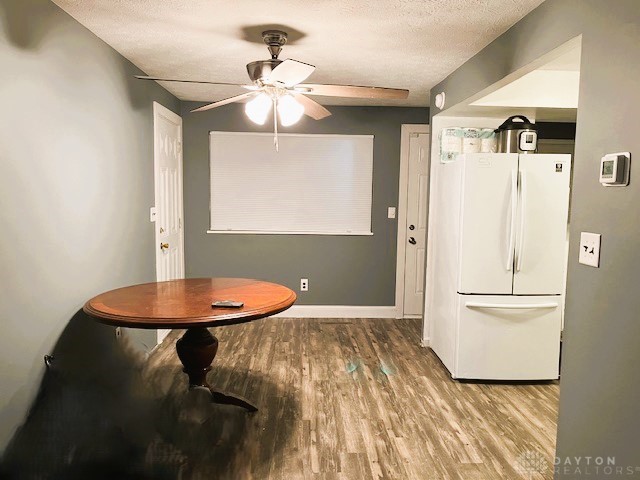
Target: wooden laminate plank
(355,399)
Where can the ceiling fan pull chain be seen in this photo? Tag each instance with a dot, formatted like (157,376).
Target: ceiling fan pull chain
(275,123)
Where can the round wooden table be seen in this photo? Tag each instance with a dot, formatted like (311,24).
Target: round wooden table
(187,304)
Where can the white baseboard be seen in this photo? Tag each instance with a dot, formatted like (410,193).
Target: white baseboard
(338,311)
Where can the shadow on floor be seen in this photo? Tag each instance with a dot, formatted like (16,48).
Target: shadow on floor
(100,415)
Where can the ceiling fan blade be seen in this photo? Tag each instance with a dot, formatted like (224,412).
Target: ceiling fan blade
(352,91)
(226,101)
(291,72)
(311,107)
(157,79)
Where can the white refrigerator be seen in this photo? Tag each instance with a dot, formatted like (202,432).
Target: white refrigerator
(499,257)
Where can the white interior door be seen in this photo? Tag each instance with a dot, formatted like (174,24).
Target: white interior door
(541,246)
(167,150)
(417,204)
(487,235)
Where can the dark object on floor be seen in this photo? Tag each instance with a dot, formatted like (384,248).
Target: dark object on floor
(103,413)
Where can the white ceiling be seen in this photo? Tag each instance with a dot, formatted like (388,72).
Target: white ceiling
(411,44)
(553,85)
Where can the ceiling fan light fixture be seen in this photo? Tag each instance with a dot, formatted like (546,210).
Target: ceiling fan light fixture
(258,109)
(289,110)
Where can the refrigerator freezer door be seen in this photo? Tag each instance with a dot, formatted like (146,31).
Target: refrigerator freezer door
(486,223)
(508,338)
(541,244)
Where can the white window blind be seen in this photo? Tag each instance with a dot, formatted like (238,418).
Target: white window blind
(315,184)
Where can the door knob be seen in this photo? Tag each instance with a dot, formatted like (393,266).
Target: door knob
(412,241)
(163,246)
(412,227)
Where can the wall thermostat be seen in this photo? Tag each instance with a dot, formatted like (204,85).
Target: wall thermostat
(614,169)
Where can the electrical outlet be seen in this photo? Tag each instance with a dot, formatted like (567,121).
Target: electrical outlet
(589,249)
(304,284)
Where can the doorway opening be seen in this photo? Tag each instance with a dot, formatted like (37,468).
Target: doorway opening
(546,92)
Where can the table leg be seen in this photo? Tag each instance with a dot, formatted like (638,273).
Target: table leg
(196,349)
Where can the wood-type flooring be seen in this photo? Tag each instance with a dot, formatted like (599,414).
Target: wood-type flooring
(348,399)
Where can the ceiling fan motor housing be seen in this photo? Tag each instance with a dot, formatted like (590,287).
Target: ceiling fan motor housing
(261,69)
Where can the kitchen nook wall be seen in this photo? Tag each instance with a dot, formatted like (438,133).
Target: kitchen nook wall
(76,132)
(342,270)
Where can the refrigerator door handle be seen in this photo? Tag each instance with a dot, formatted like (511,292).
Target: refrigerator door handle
(511,306)
(523,204)
(512,224)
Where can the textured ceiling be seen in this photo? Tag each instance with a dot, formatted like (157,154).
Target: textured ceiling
(410,44)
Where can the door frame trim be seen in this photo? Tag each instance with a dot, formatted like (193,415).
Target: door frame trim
(403,187)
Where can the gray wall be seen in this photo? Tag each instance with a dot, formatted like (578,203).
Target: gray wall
(599,388)
(342,270)
(75,189)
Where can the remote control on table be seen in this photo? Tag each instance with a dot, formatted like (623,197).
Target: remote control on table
(226,304)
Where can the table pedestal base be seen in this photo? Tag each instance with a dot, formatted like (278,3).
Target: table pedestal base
(196,349)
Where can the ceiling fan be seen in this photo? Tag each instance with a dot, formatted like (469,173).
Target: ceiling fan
(278,84)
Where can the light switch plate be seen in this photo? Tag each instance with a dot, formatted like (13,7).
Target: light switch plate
(590,249)
(152,214)
(391,212)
